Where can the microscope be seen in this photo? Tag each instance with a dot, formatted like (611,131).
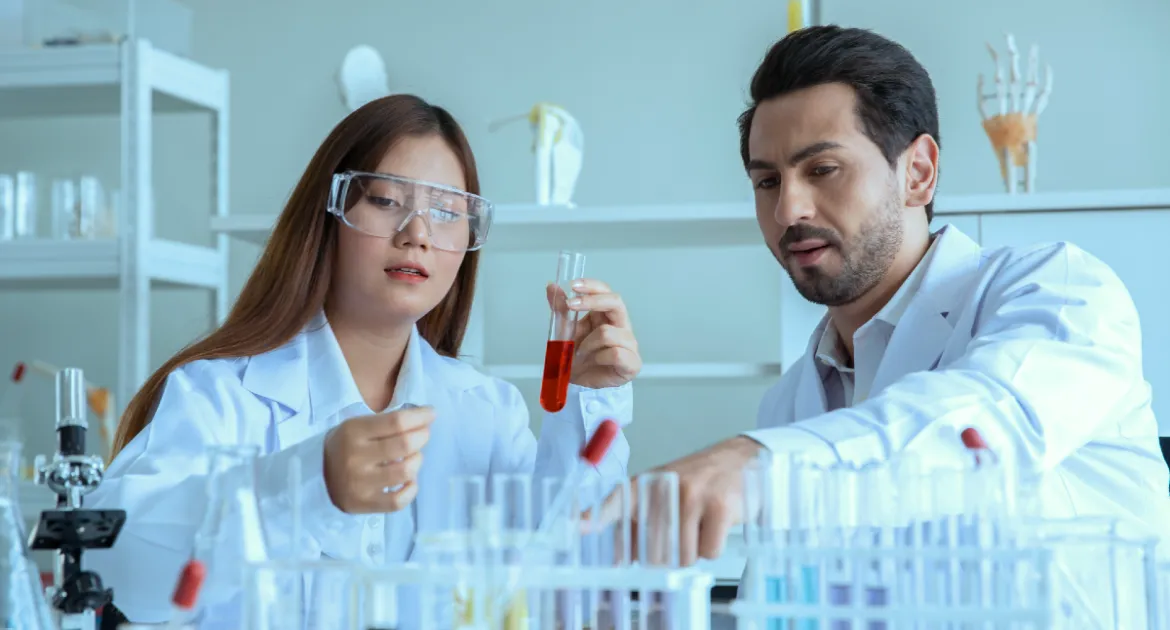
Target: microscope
(76,594)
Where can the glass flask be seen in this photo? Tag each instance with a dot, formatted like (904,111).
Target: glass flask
(231,535)
(23,604)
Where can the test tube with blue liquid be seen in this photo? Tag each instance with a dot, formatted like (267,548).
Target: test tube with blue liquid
(782,511)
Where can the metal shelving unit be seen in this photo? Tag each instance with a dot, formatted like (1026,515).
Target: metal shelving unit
(134,81)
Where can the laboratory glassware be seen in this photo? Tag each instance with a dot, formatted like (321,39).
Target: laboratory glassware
(280,594)
(63,201)
(24,604)
(231,534)
(25,206)
(558,357)
(383,205)
(91,204)
(7,207)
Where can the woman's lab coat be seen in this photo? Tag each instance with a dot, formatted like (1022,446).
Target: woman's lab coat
(284,402)
(1038,348)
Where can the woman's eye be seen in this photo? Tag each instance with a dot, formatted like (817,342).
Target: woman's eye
(385,202)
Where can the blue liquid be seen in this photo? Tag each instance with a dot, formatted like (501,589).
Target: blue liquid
(842,595)
(776,592)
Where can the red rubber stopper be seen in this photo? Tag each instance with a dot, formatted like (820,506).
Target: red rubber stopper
(599,444)
(190,581)
(972,440)
(18,372)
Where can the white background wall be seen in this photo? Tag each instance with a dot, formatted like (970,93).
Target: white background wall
(656,85)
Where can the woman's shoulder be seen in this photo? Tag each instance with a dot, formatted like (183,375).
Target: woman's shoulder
(462,377)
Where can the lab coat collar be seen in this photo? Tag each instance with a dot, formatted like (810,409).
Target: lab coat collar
(310,372)
(922,327)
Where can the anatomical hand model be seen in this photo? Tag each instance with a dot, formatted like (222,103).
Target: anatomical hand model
(1012,127)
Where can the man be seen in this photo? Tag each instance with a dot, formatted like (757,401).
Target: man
(926,334)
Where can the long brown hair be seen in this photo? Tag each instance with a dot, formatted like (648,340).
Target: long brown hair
(290,282)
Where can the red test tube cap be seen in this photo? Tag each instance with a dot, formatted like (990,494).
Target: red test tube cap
(972,440)
(190,581)
(599,444)
(18,372)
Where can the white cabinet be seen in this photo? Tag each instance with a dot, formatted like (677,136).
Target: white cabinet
(1133,243)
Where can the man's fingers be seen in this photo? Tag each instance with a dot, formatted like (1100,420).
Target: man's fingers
(713,530)
(688,533)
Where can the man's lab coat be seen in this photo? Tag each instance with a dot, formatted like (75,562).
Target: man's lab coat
(1038,348)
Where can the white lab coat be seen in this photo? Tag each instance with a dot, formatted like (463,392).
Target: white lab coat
(1038,348)
(284,402)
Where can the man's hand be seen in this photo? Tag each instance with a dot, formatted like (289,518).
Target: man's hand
(710,485)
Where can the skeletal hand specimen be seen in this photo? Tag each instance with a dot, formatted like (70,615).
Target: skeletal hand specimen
(1012,129)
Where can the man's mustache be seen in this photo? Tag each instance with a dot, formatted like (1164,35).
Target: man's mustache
(798,233)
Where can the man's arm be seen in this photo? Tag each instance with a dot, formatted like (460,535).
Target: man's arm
(1055,354)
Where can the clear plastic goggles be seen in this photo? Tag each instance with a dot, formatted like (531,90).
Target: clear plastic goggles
(383,205)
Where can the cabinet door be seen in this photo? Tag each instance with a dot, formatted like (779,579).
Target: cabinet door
(798,316)
(1132,242)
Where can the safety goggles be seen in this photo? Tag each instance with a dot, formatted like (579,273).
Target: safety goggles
(383,205)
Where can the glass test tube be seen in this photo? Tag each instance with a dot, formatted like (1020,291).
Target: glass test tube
(512,494)
(658,542)
(558,357)
(63,200)
(25,206)
(7,208)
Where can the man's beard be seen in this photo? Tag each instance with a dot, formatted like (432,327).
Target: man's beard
(865,258)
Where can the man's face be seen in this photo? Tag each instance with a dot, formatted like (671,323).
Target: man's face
(828,203)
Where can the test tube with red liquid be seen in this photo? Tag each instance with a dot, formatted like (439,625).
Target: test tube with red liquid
(558,355)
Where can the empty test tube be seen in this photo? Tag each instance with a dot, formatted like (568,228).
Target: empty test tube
(658,542)
(558,355)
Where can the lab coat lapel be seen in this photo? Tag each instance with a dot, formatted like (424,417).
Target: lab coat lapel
(920,337)
(810,393)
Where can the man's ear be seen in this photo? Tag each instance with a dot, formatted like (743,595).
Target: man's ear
(921,171)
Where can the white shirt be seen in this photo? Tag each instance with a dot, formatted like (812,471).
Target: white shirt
(848,381)
(284,402)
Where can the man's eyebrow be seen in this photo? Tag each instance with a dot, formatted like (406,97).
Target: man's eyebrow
(810,151)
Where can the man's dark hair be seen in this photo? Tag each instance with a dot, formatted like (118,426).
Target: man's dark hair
(895,97)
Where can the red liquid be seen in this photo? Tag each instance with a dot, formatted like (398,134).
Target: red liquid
(558,364)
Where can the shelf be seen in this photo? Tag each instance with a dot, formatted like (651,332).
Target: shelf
(82,80)
(1068,201)
(46,263)
(524,227)
(656,371)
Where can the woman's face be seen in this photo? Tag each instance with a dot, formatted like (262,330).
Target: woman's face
(399,279)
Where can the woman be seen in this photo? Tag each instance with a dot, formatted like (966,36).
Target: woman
(340,353)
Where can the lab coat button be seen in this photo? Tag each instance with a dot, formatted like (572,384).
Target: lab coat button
(592,407)
(373,550)
(374,522)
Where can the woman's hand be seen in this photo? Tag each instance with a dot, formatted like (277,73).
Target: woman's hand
(606,350)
